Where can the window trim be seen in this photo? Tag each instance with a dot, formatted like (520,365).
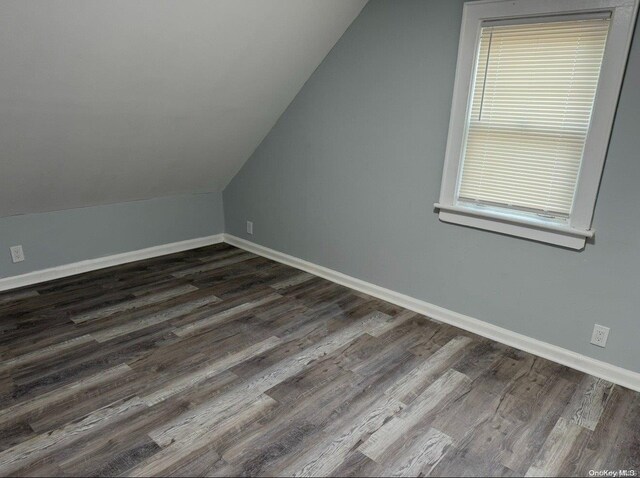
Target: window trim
(577,228)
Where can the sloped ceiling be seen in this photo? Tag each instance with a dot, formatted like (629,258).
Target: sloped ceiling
(104,101)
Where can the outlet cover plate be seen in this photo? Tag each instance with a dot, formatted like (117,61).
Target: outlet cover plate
(600,335)
(249,227)
(17,254)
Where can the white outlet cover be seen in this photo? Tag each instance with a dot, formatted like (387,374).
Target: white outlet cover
(249,227)
(17,254)
(600,335)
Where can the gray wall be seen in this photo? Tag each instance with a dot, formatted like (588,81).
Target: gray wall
(62,237)
(348,176)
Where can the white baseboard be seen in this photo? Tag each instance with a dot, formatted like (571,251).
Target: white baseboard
(612,373)
(106,261)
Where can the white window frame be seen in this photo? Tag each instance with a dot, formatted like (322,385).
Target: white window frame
(573,232)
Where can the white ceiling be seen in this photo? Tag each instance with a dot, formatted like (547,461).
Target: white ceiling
(105,101)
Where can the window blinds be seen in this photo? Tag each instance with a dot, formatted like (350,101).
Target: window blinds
(532,98)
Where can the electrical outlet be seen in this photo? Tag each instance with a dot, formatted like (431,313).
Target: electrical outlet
(249,227)
(17,254)
(600,335)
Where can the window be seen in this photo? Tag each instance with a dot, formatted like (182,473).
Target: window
(536,89)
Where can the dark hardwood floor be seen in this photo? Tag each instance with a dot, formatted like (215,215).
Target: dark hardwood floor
(217,362)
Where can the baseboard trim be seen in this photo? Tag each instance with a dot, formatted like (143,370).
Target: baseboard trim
(598,368)
(66,270)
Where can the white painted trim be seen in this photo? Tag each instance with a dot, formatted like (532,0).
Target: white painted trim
(540,231)
(612,373)
(623,15)
(621,376)
(106,261)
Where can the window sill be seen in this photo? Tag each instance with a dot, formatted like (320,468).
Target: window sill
(537,230)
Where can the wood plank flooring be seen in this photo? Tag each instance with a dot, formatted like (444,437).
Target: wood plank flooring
(217,362)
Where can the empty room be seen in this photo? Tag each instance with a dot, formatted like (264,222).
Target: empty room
(320,238)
